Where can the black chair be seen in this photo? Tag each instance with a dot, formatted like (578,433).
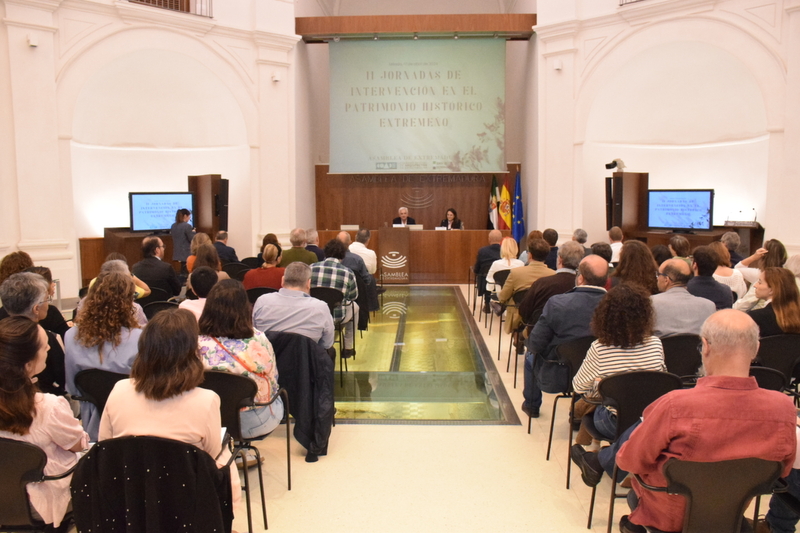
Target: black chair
(781,352)
(21,463)
(629,393)
(151,484)
(236,270)
(254,293)
(717,494)
(768,378)
(334,299)
(152,308)
(252,262)
(236,392)
(499,280)
(681,356)
(156,295)
(95,385)
(516,298)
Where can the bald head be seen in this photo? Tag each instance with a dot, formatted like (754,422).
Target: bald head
(593,270)
(495,236)
(677,270)
(730,343)
(344,237)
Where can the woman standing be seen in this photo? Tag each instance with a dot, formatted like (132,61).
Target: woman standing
(43,420)
(777,286)
(182,234)
(269,274)
(105,336)
(451,220)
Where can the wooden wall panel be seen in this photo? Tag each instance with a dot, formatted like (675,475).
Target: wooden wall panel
(372,200)
(92,255)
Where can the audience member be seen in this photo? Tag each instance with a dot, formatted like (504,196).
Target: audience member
(603,249)
(403,218)
(162,397)
(25,294)
(732,242)
(228,342)
(703,284)
(54,321)
(268,274)
(451,220)
(565,317)
(201,280)
(298,250)
(118,262)
(773,254)
(153,269)
(676,311)
(749,302)
(486,256)
(43,420)
(724,273)
(679,247)
(312,240)
(623,325)
(207,257)
(225,252)
(508,260)
(14,263)
(778,287)
(580,236)
(369,299)
(360,249)
(636,265)
(198,240)
(523,277)
(615,237)
(182,233)
(661,253)
(333,274)
(551,236)
(293,310)
(569,257)
(105,336)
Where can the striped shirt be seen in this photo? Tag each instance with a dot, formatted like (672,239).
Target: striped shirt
(603,361)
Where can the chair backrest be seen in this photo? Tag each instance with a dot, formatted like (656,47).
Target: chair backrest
(152,308)
(252,262)
(519,296)
(235,392)
(20,463)
(717,494)
(631,392)
(254,293)
(768,378)
(95,385)
(332,297)
(572,353)
(681,355)
(235,270)
(156,295)
(780,352)
(500,278)
(150,484)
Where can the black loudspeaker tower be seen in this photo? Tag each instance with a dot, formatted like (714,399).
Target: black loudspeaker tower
(221,205)
(210,203)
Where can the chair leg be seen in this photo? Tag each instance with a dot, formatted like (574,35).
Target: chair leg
(552,424)
(260,484)
(613,499)
(491,321)
(516,366)
(591,508)
(288,440)
(499,337)
(755,515)
(247,491)
(510,345)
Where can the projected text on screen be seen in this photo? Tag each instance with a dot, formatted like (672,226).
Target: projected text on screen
(417,106)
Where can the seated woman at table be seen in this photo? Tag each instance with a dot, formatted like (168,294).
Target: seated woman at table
(777,286)
(451,220)
(43,420)
(269,274)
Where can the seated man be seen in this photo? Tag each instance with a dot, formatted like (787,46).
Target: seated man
(153,269)
(486,256)
(201,279)
(523,277)
(565,317)
(551,236)
(615,237)
(569,257)
(312,244)
(676,311)
(298,251)
(355,263)
(726,416)
(580,236)
(226,253)
(403,217)
(293,310)
(360,249)
(333,274)
(703,284)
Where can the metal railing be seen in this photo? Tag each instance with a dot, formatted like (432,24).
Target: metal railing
(195,7)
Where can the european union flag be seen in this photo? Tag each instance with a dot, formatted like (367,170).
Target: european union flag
(518,221)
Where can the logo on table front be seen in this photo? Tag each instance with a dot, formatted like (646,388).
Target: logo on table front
(394,310)
(394,260)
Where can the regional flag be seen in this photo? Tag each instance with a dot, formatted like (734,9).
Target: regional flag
(493,197)
(518,227)
(505,207)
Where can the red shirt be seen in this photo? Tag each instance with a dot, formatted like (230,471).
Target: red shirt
(263,277)
(722,418)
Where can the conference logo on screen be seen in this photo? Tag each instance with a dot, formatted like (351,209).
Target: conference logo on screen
(385,166)
(394,260)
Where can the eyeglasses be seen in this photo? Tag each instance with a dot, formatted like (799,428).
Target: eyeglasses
(659,274)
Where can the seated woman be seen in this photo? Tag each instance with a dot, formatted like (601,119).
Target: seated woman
(724,273)
(636,265)
(777,286)
(269,238)
(14,263)
(773,254)
(451,220)
(679,247)
(43,420)
(623,325)
(54,321)
(508,260)
(162,397)
(198,240)
(269,274)
(105,336)
(229,342)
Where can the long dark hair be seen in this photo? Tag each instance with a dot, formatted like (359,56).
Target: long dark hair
(207,256)
(227,311)
(785,298)
(19,343)
(637,265)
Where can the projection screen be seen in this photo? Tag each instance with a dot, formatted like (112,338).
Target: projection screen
(417,106)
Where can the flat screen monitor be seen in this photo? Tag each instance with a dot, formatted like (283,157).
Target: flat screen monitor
(155,211)
(680,210)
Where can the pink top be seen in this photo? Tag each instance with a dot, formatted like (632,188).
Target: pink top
(55,430)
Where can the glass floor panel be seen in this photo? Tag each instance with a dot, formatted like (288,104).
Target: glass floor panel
(421,361)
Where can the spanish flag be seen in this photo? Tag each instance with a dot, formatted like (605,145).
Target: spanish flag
(505,207)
